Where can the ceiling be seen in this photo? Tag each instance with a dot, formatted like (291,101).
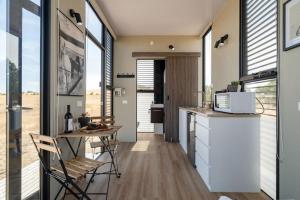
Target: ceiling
(159,17)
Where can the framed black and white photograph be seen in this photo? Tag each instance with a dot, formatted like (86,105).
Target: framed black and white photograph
(71,58)
(291,24)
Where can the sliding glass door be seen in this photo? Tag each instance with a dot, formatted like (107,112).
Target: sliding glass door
(20,72)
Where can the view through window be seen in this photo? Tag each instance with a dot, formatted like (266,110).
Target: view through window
(99,69)
(207,67)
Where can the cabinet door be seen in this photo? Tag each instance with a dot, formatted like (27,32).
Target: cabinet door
(181,90)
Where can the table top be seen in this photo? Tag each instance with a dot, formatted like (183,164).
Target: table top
(91,133)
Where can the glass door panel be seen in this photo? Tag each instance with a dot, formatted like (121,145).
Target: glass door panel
(20,32)
(30,101)
(2,99)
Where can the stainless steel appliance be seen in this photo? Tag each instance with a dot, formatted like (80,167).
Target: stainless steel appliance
(235,102)
(191,120)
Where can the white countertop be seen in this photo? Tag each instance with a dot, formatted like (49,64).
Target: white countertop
(157,105)
(209,113)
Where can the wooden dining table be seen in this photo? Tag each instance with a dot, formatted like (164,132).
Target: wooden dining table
(103,135)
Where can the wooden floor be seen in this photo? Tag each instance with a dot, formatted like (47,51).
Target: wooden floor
(155,170)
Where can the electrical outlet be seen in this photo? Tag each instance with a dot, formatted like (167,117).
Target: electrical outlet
(79,103)
(124,102)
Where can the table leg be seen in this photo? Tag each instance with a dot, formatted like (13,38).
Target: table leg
(72,149)
(107,147)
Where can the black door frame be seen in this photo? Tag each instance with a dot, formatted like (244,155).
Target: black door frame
(14,27)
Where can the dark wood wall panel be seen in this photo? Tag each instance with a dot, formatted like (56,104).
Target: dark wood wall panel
(180,90)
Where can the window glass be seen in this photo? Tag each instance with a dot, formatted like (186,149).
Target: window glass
(260,24)
(145,77)
(30,101)
(207,67)
(2,98)
(93,24)
(266,104)
(37,2)
(93,78)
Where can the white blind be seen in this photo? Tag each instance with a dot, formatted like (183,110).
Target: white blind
(145,74)
(108,73)
(266,93)
(144,101)
(108,103)
(108,58)
(261,35)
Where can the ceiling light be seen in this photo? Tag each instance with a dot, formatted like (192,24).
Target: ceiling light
(77,16)
(171,47)
(151,43)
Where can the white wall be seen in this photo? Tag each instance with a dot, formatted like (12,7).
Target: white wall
(225,60)
(290,117)
(59,103)
(124,63)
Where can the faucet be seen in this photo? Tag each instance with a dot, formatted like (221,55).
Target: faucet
(203,101)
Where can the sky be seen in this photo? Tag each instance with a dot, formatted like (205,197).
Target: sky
(2,45)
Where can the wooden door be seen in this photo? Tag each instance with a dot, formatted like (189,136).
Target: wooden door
(180,90)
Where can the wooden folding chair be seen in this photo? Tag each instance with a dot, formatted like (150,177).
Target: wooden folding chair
(113,142)
(111,145)
(68,173)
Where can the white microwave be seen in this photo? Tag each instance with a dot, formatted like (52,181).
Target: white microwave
(235,102)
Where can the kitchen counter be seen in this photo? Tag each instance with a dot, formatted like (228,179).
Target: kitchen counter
(223,145)
(210,113)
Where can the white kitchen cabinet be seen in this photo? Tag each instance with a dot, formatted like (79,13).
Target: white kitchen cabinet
(227,152)
(183,129)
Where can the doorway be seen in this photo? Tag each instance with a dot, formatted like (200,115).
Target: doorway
(150,93)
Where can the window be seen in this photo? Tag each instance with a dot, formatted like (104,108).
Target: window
(259,36)
(259,58)
(94,77)
(108,73)
(99,68)
(207,67)
(93,23)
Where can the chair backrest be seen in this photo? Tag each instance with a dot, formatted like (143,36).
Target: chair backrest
(108,120)
(45,143)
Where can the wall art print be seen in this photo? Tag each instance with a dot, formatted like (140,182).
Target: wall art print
(71,56)
(291,22)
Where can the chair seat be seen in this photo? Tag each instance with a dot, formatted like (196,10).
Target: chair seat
(78,167)
(100,144)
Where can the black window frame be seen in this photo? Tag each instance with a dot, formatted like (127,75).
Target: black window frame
(102,46)
(263,75)
(204,61)
(44,12)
